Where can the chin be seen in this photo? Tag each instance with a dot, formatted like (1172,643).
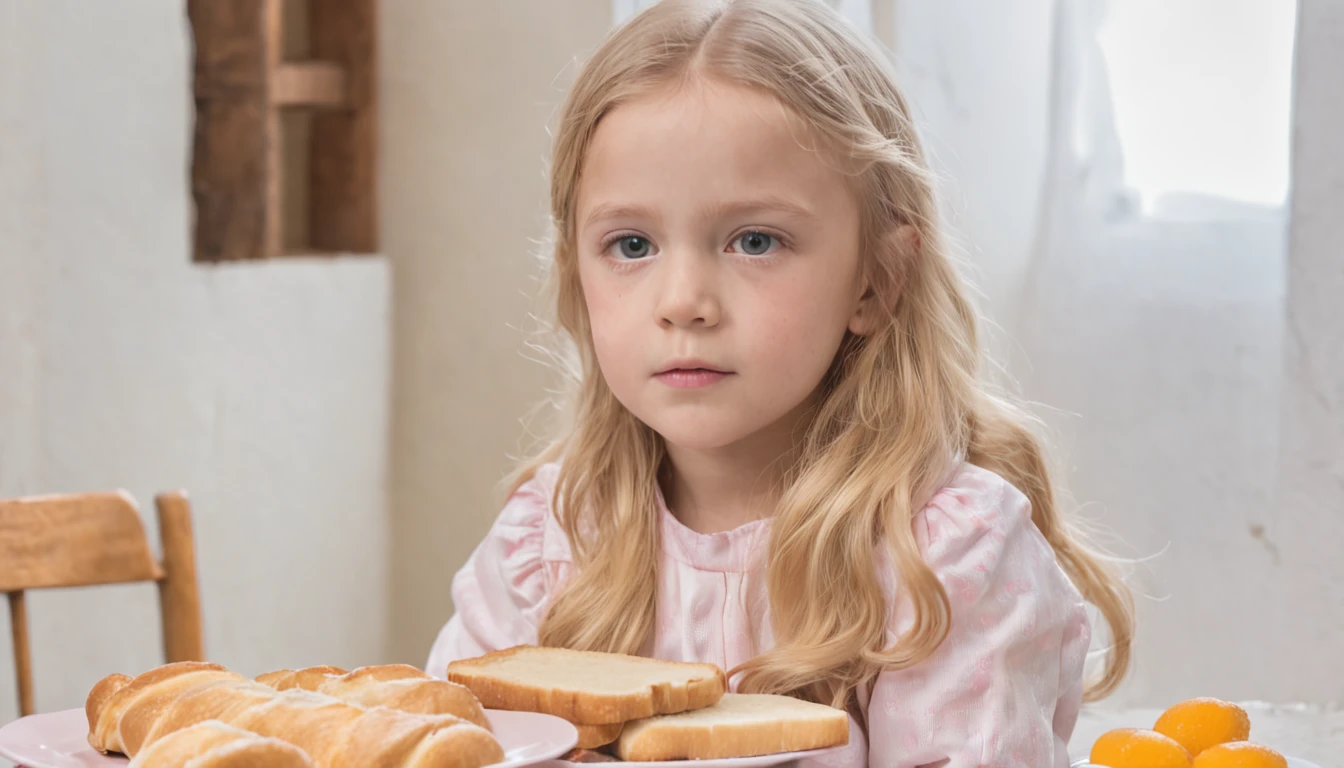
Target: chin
(699,434)
(690,440)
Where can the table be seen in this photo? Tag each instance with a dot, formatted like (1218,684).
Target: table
(1310,732)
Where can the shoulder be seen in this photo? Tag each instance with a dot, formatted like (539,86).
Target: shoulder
(529,516)
(977,532)
(521,558)
(974,503)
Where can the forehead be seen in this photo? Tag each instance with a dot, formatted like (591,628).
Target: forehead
(716,141)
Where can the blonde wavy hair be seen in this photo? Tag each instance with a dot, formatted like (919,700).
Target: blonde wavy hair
(900,406)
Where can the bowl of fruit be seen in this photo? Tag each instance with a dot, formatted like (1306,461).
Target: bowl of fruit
(1199,733)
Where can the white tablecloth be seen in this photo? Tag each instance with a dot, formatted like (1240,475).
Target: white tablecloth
(1311,733)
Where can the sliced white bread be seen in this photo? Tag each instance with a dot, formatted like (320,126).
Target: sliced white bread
(587,688)
(594,736)
(739,725)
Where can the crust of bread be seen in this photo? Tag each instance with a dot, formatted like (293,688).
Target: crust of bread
(589,707)
(308,678)
(399,686)
(212,744)
(383,736)
(382,673)
(222,700)
(594,736)
(122,720)
(110,696)
(740,725)
(94,705)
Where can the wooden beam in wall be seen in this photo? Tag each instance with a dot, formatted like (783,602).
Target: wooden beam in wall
(343,212)
(242,82)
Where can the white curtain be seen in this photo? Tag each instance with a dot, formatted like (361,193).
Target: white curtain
(1117,172)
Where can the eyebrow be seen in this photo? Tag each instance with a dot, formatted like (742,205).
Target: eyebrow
(781,205)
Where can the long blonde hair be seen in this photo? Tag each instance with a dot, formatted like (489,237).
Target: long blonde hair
(900,406)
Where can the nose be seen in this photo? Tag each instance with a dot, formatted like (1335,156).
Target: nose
(688,295)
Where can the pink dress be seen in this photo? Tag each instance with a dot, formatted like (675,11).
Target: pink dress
(1003,690)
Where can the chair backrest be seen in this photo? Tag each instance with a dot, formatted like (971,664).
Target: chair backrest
(85,539)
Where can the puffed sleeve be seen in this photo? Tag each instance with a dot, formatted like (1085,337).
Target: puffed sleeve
(501,592)
(1004,689)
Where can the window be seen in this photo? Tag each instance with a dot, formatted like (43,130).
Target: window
(1202,96)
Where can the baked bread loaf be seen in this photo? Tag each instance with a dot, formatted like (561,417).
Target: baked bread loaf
(587,688)
(399,686)
(128,715)
(213,744)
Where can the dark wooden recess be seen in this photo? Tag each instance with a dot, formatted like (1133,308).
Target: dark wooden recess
(242,84)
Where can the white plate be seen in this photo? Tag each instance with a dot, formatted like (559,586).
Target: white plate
(764,761)
(1292,763)
(60,740)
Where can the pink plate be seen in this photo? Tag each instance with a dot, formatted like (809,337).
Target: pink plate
(59,740)
(763,761)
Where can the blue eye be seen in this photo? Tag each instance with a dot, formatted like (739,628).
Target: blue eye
(634,247)
(755,243)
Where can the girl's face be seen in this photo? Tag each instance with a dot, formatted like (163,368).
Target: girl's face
(719,257)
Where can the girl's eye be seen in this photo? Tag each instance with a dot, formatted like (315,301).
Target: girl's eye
(634,247)
(756,243)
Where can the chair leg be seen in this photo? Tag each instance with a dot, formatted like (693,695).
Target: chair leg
(179,595)
(23,660)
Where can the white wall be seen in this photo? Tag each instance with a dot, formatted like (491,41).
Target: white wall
(1309,509)
(469,89)
(261,389)
(976,74)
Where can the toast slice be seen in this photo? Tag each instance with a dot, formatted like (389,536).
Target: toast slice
(739,725)
(594,736)
(587,688)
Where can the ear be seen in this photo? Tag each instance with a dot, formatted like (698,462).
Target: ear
(884,279)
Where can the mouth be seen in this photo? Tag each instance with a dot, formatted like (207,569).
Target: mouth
(691,374)
(691,365)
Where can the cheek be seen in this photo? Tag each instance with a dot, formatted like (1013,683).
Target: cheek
(608,318)
(598,300)
(799,327)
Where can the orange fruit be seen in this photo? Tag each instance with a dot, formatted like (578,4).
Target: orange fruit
(1202,723)
(1240,754)
(1135,748)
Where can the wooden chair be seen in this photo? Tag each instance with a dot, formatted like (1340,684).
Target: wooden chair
(98,538)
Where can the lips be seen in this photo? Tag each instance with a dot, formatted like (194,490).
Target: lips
(695,378)
(691,365)
(691,374)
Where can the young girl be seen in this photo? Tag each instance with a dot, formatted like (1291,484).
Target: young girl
(781,457)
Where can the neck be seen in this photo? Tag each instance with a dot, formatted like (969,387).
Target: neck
(718,489)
